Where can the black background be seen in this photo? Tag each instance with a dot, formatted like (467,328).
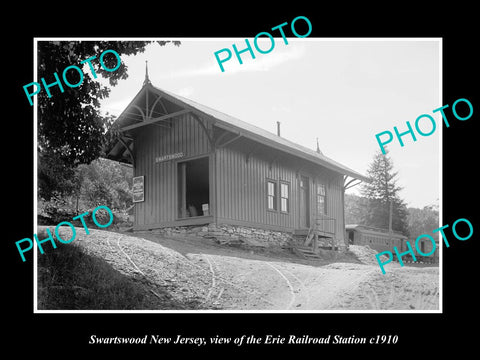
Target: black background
(68,334)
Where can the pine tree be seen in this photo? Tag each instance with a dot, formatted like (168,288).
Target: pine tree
(382,190)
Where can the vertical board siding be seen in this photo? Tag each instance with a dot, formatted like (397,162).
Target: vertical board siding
(238,189)
(185,135)
(335,206)
(241,189)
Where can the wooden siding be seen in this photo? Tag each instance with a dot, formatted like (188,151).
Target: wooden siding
(242,190)
(238,176)
(186,136)
(335,205)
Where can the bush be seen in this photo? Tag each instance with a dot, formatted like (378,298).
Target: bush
(58,209)
(55,210)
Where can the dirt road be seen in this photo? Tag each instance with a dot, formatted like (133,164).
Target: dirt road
(210,276)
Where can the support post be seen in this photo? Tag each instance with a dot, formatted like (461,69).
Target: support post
(315,243)
(182,202)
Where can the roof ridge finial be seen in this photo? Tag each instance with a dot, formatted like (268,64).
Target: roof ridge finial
(318,148)
(147,80)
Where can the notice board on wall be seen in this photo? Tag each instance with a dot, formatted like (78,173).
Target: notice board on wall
(138,189)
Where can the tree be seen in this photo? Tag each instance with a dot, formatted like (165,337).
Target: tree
(382,191)
(105,182)
(102,182)
(423,221)
(355,207)
(70,127)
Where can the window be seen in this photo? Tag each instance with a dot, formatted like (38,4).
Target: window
(278,196)
(284,197)
(321,209)
(271,195)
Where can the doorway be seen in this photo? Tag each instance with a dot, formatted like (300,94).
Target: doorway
(193,188)
(304,192)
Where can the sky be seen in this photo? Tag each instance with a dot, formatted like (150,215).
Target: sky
(341,91)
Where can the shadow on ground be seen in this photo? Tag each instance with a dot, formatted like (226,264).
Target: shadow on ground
(70,279)
(198,245)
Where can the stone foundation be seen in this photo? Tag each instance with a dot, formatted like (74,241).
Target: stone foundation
(231,234)
(242,235)
(323,243)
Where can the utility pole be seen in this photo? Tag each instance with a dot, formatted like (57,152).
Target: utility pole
(390,217)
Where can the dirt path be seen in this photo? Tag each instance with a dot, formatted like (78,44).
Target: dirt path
(209,276)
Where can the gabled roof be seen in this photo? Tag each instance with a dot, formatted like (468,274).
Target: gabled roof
(252,132)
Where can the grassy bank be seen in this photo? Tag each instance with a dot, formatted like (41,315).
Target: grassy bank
(70,279)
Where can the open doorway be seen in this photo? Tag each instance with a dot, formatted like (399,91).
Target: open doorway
(193,188)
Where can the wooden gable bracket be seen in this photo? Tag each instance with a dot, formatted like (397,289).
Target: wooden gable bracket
(154,120)
(205,130)
(250,153)
(225,143)
(270,163)
(158,99)
(347,185)
(144,118)
(220,138)
(129,151)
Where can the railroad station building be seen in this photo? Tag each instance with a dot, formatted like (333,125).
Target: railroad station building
(197,167)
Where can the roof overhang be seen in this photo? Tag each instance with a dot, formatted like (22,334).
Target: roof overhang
(223,121)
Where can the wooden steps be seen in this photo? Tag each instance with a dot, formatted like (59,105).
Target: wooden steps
(306,252)
(309,244)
